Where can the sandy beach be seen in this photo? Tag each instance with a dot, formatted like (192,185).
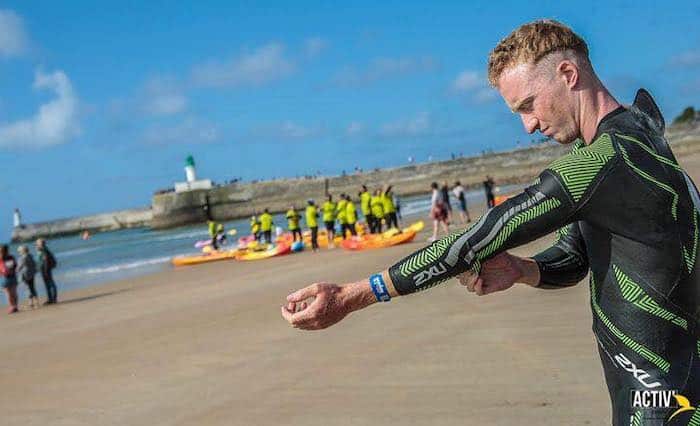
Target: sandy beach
(206,345)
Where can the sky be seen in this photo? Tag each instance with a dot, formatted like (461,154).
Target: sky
(101,104)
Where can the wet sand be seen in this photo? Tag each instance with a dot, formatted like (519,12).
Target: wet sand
(206,345)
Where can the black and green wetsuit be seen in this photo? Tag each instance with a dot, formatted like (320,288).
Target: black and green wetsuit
(626,212)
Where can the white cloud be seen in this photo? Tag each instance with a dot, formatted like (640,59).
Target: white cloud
(188,131)
(314,46)
(419,125)
(687,59)
(162,96)
(166,104)
(354,128)
(54,123)
(473,85)
(466,81)
(286,130)
(263,65)
(383,68)
(13,38)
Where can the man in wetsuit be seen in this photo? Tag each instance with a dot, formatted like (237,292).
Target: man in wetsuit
(625,214)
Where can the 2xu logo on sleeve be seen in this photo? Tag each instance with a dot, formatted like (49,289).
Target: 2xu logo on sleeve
(427,274)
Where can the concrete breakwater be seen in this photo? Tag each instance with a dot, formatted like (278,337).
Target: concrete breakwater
(239,200)
(94,223)
(245,199)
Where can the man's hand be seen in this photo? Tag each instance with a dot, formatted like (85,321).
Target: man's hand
(500,273)
(331,303)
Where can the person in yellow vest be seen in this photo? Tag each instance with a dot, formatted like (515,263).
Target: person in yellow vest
(377,206)
(389,208)
(255,227)
(365,198)
(341,214)
(293,223)
(220,234)
(266,226)
(312,223)
(350,216)
(329,219)
(212,234)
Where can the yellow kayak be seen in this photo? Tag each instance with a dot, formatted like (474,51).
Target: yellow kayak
(389,238)
(196,259)
(274,250)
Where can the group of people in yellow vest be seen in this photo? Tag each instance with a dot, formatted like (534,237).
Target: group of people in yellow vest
(377,208)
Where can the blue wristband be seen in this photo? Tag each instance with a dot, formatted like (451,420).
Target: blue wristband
(379,288)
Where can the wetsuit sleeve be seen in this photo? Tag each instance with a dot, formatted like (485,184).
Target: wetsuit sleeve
(556,199)
(538,211)
(565,263)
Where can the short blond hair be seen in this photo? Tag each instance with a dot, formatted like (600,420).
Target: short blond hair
(530,43)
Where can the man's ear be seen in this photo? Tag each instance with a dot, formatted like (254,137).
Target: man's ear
(569,72)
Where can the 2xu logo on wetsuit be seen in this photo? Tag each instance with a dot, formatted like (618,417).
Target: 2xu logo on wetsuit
(427,274)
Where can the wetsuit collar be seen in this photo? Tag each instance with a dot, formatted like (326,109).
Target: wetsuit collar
(602,125)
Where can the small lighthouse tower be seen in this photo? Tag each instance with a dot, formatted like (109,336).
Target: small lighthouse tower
(191,178)
(189,169)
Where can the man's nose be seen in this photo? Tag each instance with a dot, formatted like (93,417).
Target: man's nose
(531,124)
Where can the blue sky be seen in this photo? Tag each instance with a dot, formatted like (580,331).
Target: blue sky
(100,105)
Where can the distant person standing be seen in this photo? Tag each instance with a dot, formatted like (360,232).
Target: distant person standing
(365,198)
(389,208)
(26,269)
(47,262)
(350,216)
(212,234)
(255,227)
(488,189)
(438,211)
(397,204)
(459,192)
(329,219)
(9,281)
(342,214)
(17,219)
(377,206)
(293,223)
(266,226)
(445,190)
(312,222)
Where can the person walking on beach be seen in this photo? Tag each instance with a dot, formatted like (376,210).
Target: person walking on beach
(389,208)
(627,215)
(293,223)
(255,227)
(311,214)
(341,213)
(445,192)
(397,204)
(329,220)
(488,189)
(266,226)
(350,216)
(376,205)
(458,190)
(365,198)
(211,226)
(26,269)
(8,268)
(438,211)
(47,263)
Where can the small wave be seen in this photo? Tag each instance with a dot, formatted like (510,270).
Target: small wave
(119,266)
(181,236)
(73,252)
